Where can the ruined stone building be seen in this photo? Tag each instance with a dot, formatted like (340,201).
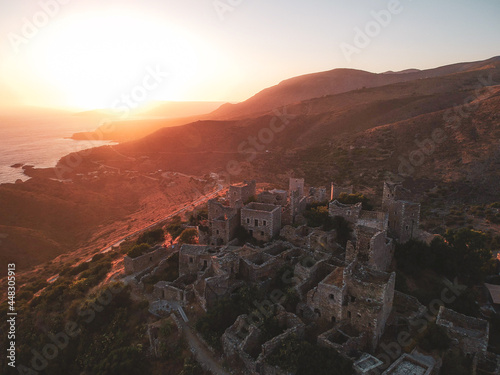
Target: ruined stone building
(223,222)
(469,334)
(344,298)
(241,192)
(354,214)
(372,247)
(404,215)
(261,220)
(356,295)
(194,259)
(350,212)
(275,196)
(296,184)
(317,195)
(245,342)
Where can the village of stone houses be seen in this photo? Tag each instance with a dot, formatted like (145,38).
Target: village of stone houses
(329,285)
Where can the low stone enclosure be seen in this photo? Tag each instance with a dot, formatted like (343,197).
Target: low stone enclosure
(145,261)
(245,342)
(469,334)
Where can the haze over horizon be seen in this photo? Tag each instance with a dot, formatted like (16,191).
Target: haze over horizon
(87,56)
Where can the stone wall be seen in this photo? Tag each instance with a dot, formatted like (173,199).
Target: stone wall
(296,184)
(241,192)
(194,259)
(337,190)
(470,334)
(369,298)
(168,291)
(144,262)
(382,251)
(393,192)
(349,212)
(317,195)
(404,220)
(373,247)
(276,197)
(327,298)
(374,219)
(263,221)
(223,221)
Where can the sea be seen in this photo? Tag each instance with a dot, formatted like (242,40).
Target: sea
(40,138)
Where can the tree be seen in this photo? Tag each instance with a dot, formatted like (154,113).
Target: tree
(303,358)
(435,338)
(188,236)
(138,250)
(345,198)
(174,228)
(191,367)
(151,237)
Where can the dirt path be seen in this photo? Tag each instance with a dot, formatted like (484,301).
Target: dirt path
(202,354)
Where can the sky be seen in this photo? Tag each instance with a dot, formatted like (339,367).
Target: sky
(109,53)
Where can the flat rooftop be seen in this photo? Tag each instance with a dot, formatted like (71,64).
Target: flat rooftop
(195,249)
(407,365)
(367,363)
(494,292)
(255,206)
(367,275)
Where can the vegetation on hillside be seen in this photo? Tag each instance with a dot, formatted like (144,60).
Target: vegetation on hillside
(345,198)
(317,216)
(459,254)
(303,358)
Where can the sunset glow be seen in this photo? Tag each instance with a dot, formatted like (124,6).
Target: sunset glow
(85,55)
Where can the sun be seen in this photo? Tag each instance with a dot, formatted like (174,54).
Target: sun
(96,60)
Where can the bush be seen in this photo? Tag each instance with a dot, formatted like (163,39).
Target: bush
(461,254)
(79,269)
(303,358)
(224,313)
(175,227)
(435,338)
(138,250)
(455,363)
(188,236)
(151,237)
(345,198)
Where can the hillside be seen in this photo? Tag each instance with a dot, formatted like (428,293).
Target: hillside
(334,82)
(287,93)
(359,137)
(333,120)
(42,219)
(144,120)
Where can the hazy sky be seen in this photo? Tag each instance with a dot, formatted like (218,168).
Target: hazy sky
(90,53)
